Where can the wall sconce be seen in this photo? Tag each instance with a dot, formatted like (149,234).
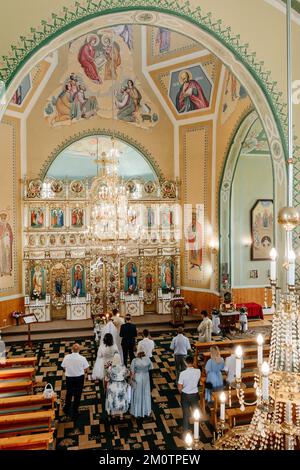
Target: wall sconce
(213,246)
(246,242)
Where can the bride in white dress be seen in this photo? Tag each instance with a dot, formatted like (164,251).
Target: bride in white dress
(106,352)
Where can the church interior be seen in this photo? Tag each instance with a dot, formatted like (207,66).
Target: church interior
(150,168)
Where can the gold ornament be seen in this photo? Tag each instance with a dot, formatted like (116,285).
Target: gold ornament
(289,217)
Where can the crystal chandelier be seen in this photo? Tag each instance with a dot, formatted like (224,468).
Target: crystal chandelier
(109,201)
(275,424)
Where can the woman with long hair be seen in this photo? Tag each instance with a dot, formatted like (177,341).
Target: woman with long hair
(105,355)
(213,367)
(141,393)
(117,397)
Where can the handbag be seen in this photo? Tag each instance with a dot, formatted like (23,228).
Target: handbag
(48,391)
(208,385)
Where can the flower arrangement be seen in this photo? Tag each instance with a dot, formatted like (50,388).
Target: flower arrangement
(16,315)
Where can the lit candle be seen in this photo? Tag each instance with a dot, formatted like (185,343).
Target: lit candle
(260,341)
(222,406)
(238,362)
(273,256)
(265,380)
(189,441)
(291,270)
(196,424)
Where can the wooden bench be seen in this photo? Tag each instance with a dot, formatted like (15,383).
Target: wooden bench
(25,423)
(204,347)
(27,442)
(24,373)
(25,403)
(249,394)
(246,352)
(18,361)
(22,387)
(232,414)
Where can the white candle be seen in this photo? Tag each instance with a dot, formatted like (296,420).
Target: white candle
(196,424)
(291,270)
(273,256)
(188,441)
(222,406)
(265,380)
(238,362)
(260,341)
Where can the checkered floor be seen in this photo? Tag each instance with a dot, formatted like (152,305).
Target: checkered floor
(160,431)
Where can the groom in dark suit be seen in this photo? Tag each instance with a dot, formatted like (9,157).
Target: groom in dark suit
(128,334)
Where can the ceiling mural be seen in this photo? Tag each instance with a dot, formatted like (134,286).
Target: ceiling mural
(189,88)
(165,45)
(100,72)
(256,142)
(233,92)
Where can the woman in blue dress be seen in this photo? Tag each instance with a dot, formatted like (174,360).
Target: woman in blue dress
(213,368)
(117,396)
(141,393)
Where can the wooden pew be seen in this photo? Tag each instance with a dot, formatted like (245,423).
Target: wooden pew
(25,403)
(20,387)
(28,442)
(26,423)
(204,347)
(232,414)
(24,373)
(246,352)
(18,361)
(249,394)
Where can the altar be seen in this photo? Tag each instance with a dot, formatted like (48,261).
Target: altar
(39,308)
(132,304)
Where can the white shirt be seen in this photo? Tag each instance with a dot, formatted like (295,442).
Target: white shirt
(180,345)
(230,366)
(189,378)
(74,365)
(147,345)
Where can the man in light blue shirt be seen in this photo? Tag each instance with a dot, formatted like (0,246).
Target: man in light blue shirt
(180,346)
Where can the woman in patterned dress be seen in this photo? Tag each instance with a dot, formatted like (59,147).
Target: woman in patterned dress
(117,396)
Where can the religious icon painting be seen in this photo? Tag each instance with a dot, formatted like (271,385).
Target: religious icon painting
(77,217)
(6,245)
(150,217)
(37,217)
(57,217)
(38,278)
(52,240)
(194,240)
(78,280)
(72,239)
(62,239)
(190,89)
(42,240)
(131,278)
(262,229)
(167,276)
(167,217)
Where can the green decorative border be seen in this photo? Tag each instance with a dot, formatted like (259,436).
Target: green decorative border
(70,17)
(106,132)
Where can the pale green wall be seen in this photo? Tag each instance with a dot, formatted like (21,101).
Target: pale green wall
(253,180)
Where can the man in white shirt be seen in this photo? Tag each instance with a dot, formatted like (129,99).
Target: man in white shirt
(75,367)
(180,346)
(147,345)
(188,386)
(230,366)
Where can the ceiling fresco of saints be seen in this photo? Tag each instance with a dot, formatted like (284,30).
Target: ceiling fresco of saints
(100,69)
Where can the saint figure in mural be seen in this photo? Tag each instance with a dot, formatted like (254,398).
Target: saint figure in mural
(86,58)
(128,101)
(77,217)
(232,82)
(6,243)
(78,280)
(194,239)
(190,95)
(131,277)
(163,39)
(112,56)
(37,218)
(37,282)
(58,287)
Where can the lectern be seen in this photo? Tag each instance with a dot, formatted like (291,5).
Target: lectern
(177,306)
